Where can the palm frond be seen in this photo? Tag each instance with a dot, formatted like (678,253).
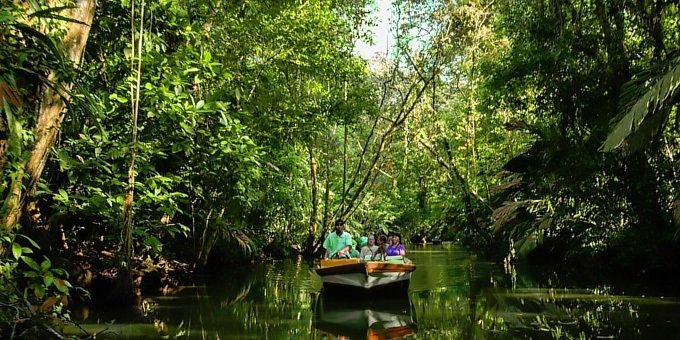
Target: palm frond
(647,115)
(46,13)
(43,39)
(240,239)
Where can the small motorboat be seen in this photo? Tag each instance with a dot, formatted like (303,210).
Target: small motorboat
(364,319)
(392,275)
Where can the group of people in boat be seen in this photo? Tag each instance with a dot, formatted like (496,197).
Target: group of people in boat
(376,247)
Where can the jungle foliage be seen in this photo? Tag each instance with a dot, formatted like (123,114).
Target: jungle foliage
(199,130)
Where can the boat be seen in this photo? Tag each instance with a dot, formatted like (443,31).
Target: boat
(363,319)
(392,275)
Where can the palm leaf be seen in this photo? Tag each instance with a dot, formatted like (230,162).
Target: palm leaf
(46,13)
(51,13)
(34,4)
(650,109)
(43,39)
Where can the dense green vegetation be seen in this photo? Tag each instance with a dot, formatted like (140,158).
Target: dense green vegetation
(208,131)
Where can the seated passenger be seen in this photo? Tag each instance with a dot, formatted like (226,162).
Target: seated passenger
(396,248)
(363,241)
(380,254)
(369,250)
(338,243)
(354,253)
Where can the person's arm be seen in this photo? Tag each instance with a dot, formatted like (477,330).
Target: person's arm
(402,250)
(326,245)
(348,245)
(344,250)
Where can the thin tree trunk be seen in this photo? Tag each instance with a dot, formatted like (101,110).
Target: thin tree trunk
(202,256)
(344,165)
(51,111)
(360,164)
(4,138)
(361,157)
(326,194)
(384,140)
(315,199)
(128,214)
(656,29)
(468,195)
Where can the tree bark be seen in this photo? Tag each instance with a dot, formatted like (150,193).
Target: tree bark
(4,140)
(656,29)
(344,164)
(315,199)
(51,111)
(128,212)
(326,194)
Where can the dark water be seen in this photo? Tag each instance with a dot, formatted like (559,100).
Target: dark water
(453,295)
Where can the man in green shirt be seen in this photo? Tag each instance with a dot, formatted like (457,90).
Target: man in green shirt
(338,243)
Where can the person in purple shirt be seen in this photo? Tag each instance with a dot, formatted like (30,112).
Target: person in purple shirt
(396,248)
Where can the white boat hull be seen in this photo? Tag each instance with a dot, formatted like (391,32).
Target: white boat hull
(367,276)
(362,280)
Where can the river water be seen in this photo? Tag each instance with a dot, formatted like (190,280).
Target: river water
(453,295)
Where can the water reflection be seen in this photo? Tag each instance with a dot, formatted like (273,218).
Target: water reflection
(474,299)
(454,294)
(338,318)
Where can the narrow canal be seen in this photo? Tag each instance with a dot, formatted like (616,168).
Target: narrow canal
(453,295)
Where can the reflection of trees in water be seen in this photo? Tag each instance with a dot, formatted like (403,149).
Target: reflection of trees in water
(271,299)
(457,311)
(481,301)
(454,298)
(549,313)
(531,307)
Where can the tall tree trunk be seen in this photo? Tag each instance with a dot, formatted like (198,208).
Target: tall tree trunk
(656,29)
(326,194)
(128,213)
(315,200)
(4,138)
(468,195)
(325,224)
(404,113)
(123,290)
(51,111)
(344,165)
(470,214)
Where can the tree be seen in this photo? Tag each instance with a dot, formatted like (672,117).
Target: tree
(54,94)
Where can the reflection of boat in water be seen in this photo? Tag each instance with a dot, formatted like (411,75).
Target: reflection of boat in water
(364,319)
(370,276)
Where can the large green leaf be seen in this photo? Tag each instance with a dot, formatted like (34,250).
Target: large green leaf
(31,263)
(647,109)
(16,250)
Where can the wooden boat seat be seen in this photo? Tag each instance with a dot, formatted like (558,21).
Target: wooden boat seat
(337,262)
